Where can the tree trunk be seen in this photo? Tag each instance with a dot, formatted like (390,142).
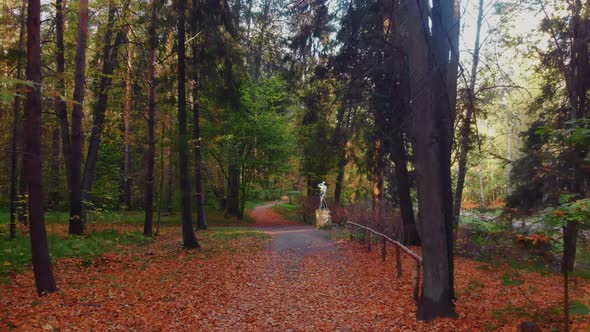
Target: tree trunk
(410,232)
(482,193)
(54,195)
(44,279)
(110,63)
(197,140)
(399,116)
(169,170)
(431,158)
(445,26)
(466,128)
(60,105)
(77,139)
(188,233)
(232,204)
(14,164)
(377,180)
(16,143)
(151,122)
(237,9)
(128,180)
(340,177)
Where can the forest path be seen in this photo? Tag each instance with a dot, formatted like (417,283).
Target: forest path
(288,236)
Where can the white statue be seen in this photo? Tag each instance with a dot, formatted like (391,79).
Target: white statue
(323,189)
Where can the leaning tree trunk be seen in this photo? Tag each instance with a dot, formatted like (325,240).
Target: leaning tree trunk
(197,140)
(466,127)
(188,233)
(151,122)
(44,279)
(77,139)
(110,63)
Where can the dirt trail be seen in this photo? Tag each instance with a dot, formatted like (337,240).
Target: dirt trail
(288,236)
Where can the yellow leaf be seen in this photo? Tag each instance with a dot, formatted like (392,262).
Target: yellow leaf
(6,263)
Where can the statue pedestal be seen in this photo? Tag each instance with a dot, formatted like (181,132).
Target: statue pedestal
(322,218)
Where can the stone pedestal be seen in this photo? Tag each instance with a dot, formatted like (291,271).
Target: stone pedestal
(322,218)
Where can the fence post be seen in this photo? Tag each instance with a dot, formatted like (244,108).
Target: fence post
(383,249)
(417,283)
(398,262)
(369,240)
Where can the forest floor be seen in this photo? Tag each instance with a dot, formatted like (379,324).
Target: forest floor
(275,275)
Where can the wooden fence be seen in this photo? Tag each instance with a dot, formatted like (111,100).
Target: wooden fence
(398,248)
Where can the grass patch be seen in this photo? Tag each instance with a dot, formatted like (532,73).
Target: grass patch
(232,233)
(289,211)
(15,255)
(512,279)
(548,317)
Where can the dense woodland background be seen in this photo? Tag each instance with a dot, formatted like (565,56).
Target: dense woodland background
(462,127)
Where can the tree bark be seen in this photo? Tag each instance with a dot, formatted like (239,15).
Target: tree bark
(151,123)
(16,142)
(77,139)
(44,279)
(60,105)
(54,195)
(399,156)
(169,170)
(400,94)
(14,164)
(232,204)
(197,140)
(340,177)
(110,63)
(188,233)
(466,128)
(431,159)
(128,181)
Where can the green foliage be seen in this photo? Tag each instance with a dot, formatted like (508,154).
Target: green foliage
(12,87)
(289,211)
(571,209)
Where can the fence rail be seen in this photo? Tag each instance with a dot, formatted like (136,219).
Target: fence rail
(398,247)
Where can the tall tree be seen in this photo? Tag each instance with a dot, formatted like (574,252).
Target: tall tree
(110,62)
(197,140)
(77,138)
(16,142)
(151,122)
(128,181)
(428,56)
(44,279)
(188,233)
(465,131)
(60,105)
